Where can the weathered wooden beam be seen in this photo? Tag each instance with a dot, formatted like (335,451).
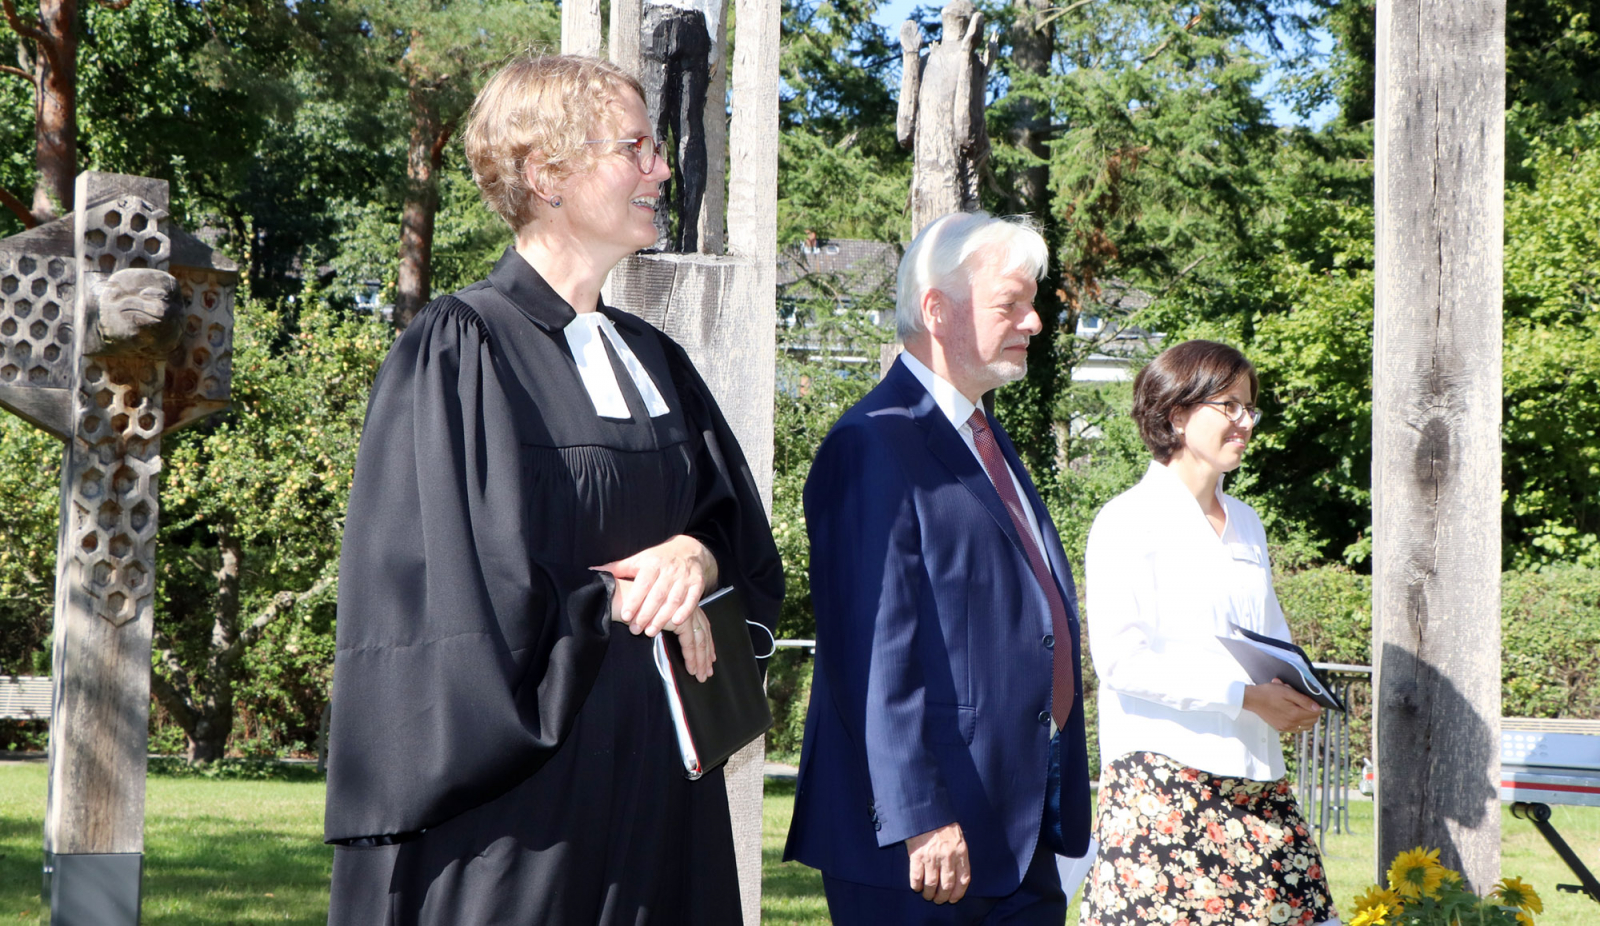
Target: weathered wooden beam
(1436,429)
(626,21)
(752,344)
(753,218)
(582,28)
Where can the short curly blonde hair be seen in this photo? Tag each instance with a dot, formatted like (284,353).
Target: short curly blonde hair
(542,108)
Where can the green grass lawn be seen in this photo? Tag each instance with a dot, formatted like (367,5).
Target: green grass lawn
(792,893)
(232,853)
(216,852)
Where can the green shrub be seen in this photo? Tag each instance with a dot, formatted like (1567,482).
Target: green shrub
(1550,643)
(1329,610)
(1550,647)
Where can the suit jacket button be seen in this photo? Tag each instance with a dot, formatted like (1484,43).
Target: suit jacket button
(1044,716)
(1049,641)
(876,825)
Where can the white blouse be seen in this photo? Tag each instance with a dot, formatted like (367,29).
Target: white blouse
(1162,586)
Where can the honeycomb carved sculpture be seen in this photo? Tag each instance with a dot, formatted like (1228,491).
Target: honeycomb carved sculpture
(112,510)
(115,327)
(36,300)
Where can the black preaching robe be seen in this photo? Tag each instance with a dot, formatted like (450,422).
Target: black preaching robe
(500,751)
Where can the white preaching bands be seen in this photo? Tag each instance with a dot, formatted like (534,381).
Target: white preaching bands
(599,378)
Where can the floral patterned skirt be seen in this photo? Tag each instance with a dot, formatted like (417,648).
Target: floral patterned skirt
(1183,847)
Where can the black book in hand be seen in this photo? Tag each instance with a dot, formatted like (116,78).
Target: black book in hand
(716,718)
(1266,658)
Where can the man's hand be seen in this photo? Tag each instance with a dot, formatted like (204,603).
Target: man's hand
(939,865)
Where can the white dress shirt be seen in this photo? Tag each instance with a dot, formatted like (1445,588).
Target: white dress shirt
(958,408)
(1162,586)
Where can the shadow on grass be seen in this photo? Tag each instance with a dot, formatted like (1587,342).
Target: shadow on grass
(21,864)
(213,869)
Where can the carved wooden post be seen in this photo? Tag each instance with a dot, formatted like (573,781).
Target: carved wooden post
(1436,429)
(940,114)
(115,328)
(723,309)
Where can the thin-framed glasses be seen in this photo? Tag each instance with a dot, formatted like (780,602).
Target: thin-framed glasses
(646,150)
(1237,413)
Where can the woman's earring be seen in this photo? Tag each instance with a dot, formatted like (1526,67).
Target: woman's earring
(555,202)
(1177,430)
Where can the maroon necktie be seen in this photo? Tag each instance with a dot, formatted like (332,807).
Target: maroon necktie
(1061,680)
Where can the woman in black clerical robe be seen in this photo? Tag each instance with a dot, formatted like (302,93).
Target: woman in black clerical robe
(544,484)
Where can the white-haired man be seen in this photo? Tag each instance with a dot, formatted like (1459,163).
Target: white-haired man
(944,764)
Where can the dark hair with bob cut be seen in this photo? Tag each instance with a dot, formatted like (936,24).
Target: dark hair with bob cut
(1183,376)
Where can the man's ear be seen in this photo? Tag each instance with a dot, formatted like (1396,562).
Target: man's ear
(935,310)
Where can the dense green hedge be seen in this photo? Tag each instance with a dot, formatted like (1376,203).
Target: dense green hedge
(1549,624)
(1550,657)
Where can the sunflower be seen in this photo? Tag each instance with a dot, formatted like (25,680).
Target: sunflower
(1372,916)
(1376,895)
(1517,893)
(1417,873)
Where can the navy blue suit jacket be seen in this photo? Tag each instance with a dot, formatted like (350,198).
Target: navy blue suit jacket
(931,689)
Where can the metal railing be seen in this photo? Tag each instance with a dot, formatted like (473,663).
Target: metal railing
(1322,781)
(1327,767)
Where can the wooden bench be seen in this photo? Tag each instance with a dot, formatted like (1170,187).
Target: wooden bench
(24,697)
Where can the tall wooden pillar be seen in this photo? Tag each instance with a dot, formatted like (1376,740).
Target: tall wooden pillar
(1436,429)
(581,26)
(721,303)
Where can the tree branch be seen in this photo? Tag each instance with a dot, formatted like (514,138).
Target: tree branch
(1060,11)
(27,28)
(114,4)
(1193,21)
(19,72)
(18,208)
(170,699)
(436,149)
(282,603)
(176,693)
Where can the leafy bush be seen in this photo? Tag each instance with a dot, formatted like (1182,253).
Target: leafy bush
(23,735)
(235,769)
(1550,643)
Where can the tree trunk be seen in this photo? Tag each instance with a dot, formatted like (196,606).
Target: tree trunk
(424,154)
(208,740)
(1436,426)
(1049,367)
(203,706)
(56,115)
(1032,41)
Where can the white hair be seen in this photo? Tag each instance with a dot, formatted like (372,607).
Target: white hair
(941,251)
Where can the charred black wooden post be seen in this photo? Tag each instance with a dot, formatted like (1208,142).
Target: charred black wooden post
(115,328)
(940,115)
(1436,429)
(675,50)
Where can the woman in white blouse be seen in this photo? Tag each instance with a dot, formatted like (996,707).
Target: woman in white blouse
(1197,823)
